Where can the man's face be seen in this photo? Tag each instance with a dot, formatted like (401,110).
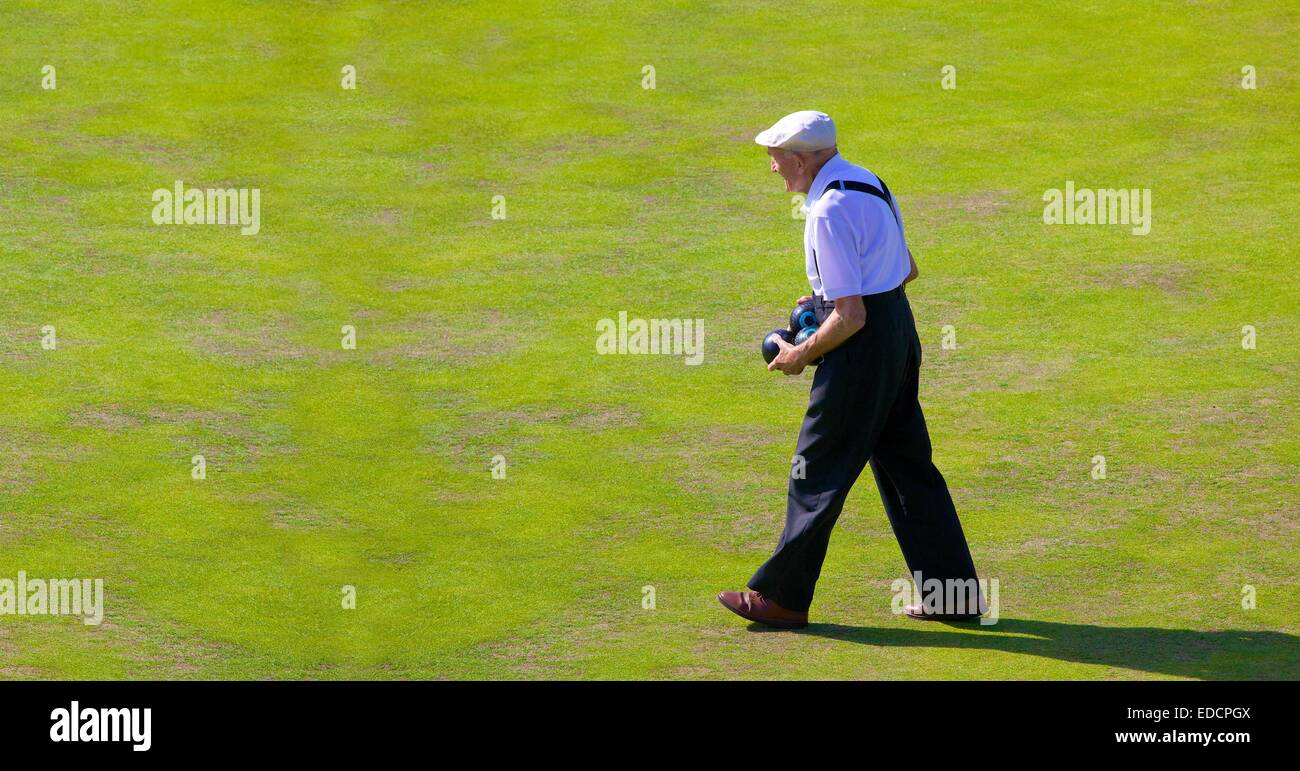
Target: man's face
(794,168)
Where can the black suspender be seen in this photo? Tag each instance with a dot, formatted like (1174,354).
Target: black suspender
(863,187)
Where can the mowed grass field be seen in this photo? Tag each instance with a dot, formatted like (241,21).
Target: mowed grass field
(371,468)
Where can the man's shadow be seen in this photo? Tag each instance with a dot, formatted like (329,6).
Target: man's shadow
(1221,655)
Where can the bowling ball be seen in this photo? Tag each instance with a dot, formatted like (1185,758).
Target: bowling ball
(804,334)
(803,316)
(770,348)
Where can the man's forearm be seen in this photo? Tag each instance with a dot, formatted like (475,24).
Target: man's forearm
(829,336)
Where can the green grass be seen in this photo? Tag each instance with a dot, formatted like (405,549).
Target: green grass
(329,467)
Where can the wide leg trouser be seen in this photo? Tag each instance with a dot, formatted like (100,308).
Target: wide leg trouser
(862,409)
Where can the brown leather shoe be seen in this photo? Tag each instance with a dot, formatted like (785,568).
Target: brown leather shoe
(756,607)
(918,612)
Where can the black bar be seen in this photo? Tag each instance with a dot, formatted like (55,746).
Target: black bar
(323,719)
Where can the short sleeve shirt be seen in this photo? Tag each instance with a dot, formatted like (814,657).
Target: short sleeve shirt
(853,245)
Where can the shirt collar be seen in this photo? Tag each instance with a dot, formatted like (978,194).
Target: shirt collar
(827,174)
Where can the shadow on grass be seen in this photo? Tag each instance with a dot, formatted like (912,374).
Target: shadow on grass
(1222,655)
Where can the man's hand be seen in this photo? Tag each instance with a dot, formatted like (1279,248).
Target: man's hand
(790,360)
(849,316)
(803,299)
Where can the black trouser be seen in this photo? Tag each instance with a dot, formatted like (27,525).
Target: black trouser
(863,408)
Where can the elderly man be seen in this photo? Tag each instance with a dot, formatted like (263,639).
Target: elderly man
(863,405)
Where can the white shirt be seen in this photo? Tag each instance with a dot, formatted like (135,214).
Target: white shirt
(852,243)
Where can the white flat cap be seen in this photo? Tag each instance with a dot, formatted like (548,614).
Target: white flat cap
(804,131)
